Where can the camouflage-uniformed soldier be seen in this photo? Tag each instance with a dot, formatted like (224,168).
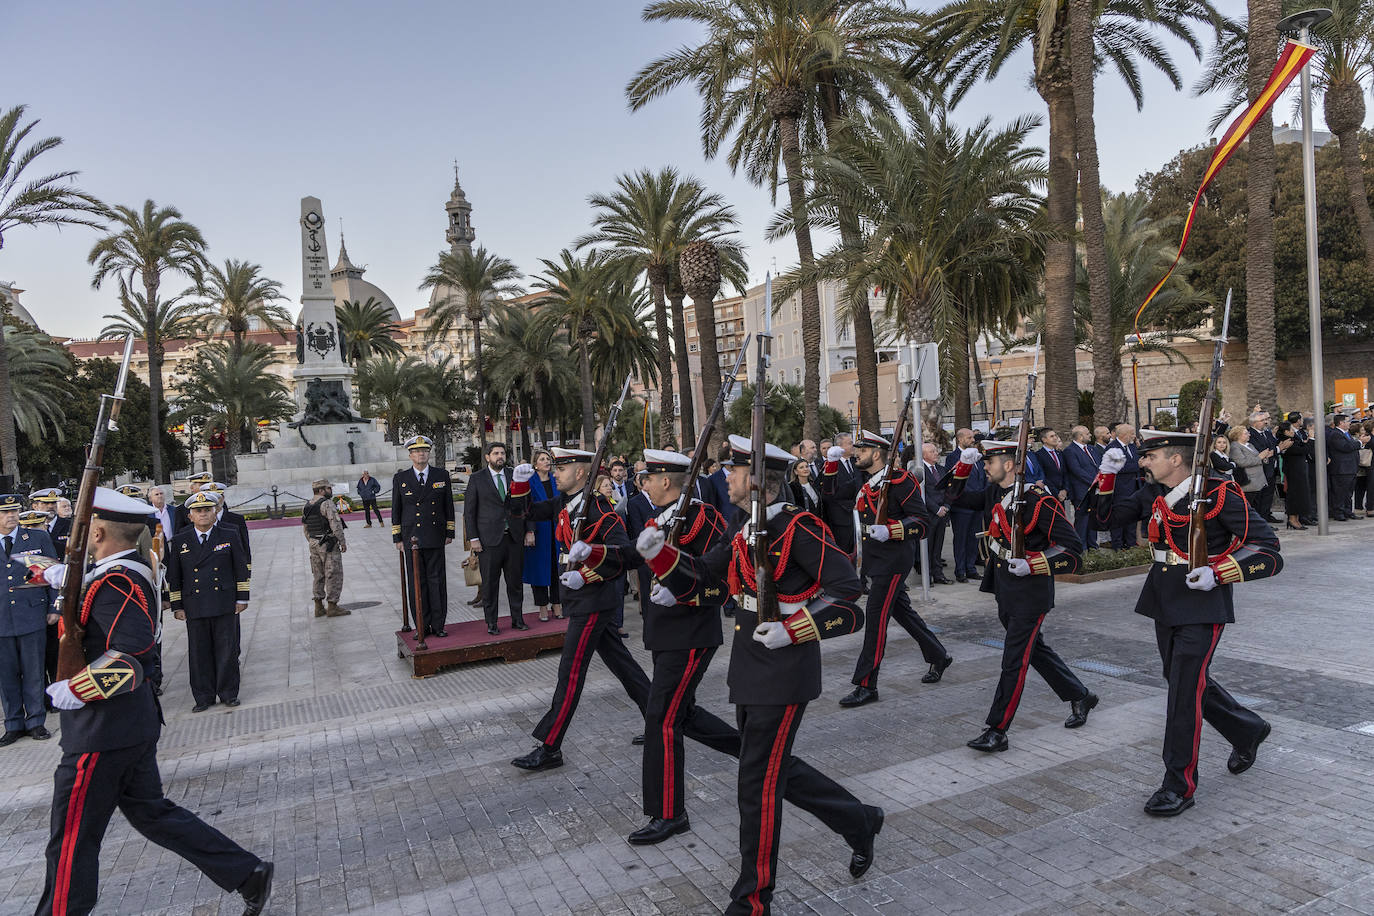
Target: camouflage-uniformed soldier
(324,533)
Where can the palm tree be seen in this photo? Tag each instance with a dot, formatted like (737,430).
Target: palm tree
(474,282)
(399,389)
(231,388)
(700,270)
(971,40)
(535,365)
(627,345)
(367,330)
(648,219)
(42,372)
(239,295)
(1262,52)
(144,245)
(758,70)
(450,402)
(44,200)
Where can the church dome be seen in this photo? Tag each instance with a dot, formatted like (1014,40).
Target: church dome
(348,285)
(10,296)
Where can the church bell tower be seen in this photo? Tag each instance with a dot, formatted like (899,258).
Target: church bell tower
(460,233)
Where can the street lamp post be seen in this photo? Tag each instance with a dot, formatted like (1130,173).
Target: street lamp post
(1302,23)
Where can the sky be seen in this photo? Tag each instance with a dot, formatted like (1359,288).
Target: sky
(233,112)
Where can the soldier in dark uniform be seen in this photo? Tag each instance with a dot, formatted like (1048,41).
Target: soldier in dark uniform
(1025,593)
(183,518)
(1191,607)
(58,529)
(592,587)
(208,579)
(422,506)
(110,727)
(775,670)
(230,520)
(889,555)
(25,610)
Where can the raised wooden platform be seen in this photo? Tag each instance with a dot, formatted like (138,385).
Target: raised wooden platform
(468,641)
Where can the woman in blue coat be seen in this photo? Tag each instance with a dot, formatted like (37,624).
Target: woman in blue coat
(541,550)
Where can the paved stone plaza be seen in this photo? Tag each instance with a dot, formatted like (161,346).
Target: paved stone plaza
(374,792)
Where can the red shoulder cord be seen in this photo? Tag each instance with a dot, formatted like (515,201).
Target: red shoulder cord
(742,564)
(565,532)
(133,593)
(1173,519)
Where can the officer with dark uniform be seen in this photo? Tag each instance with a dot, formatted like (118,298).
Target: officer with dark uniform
(1024,588)
(110,727)
(59,529)
(25,609)
(208,579)
(775,669)
(422,506)
(1191,607)
(592,586)
(182,518)
(228,519)
(889,555)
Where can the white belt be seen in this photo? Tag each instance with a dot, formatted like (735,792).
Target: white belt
(751,604)
(1167,557)
(996,549)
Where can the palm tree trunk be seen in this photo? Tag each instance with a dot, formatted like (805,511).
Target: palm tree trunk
(153,339)
(588,415)
(958,348)
(1345,110)
(9,440)
(1260,385)
(1061,371)
(790,140)
(539,416)
(978,385)
(684,373)
(1108,395)
(665,367)
(481,385)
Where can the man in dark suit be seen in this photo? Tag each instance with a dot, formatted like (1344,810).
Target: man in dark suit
(1127,481)
(620,481)
(1080,465)
(422,507)
(966,510)
(1263,440)
(25,611)
(638,510)
(937,505)
(207,577)
(1053,467)
(841,493)
(496,537)
(1343,463)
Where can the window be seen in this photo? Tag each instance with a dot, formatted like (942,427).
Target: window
(692,348)
(847,363)
(796,376)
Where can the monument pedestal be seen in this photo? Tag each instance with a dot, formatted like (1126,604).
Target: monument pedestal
(293,464)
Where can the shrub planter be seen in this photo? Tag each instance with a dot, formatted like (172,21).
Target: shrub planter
(1103,575)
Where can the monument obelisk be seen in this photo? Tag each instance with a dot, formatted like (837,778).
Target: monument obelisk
(322,371)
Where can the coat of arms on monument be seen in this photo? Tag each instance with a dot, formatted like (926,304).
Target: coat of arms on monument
(320,338)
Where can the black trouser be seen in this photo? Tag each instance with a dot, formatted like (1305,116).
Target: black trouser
(508,558)
(887,597)
(87,788)
(544,595)
(589,634)
(1023,649)
(50,654)
(965,523)
(768,773)
(935,543)
(1194,697)
(670,715)
(1263,501)
(1342,489)
(153,669)
(212,657)
(1082,519)
(369,507)
(433,587)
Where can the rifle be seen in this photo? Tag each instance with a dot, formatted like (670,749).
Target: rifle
(587,491)
(898,431)
(701,453)
(1197,501)
(1018,487)
(764,586)
(71,655)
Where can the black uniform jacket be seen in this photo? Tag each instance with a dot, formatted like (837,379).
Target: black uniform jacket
(119,611)
(1240,546)
(1052,547)
(207,580)
(694,622)
(604,529)
(424,512)
(839,487)
(907,522)
(812,574)
(59,532)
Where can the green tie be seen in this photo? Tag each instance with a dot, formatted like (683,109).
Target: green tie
(501,485)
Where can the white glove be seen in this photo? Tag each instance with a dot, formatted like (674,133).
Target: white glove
(834,453)
(1112,461)
(969,455)
(1202,579)
(661,596)
(523,472)
(650,542)
(1018,567)
(572,580)
(55,576)
(773,635)
(62,696)
(579,551)
(878,533)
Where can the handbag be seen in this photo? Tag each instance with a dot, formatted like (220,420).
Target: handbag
(472,572)
(1366,457)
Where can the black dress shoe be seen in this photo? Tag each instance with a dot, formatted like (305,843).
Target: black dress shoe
(941,580)
(960,578)
(201,707)
(862,859)
(233,702)
(39,733)
(542,757)
(1167,803)
(860,696)
(257,889)
(1242,758)
(637,740)
(439,633)
(990,741)
(520,625)
(1079,711)
(10,738)
(658,830)
(476,602)
(492,631)
(937,670)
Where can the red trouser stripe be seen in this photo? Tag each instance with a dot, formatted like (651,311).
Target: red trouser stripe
(669,763)
(1190,774)
(763,866)
(1021,676)
(574,677)
(71,832)
(881,645)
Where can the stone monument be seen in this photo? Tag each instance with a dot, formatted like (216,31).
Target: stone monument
(325,438)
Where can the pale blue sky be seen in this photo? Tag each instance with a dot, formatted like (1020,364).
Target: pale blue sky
(234,111)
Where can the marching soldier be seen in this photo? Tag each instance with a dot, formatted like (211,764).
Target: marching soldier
(25,612)
(889,555)
(1191,607)
(422,506)
(1024,589)
(592,588)
(324,534)
(207,575)
(110,727)
(775,669)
